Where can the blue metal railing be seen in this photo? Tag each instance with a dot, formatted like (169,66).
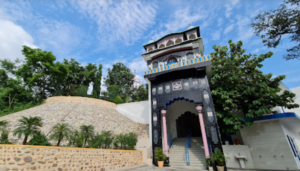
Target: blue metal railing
(188,145)
(170,143)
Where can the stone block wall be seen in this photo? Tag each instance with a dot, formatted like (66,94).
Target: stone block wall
(26,158)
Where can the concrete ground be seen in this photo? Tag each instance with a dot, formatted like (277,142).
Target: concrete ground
(144,167)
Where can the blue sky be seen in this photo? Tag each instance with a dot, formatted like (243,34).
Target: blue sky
(107,32)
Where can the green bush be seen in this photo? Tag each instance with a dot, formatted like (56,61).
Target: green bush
(4,137)
(108,138)
(82,91)
(75,139)
(118,100)
(17,108)
(159,155)
(39,139)
(126,141)
(218,157)
(96,141)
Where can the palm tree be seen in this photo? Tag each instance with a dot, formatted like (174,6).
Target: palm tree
(60,132)
(108,138)
(87,132)
(28,127)
(3,125)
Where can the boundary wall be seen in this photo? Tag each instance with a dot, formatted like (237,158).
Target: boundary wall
(26,157)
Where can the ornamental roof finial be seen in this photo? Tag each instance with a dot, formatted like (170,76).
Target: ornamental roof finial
(169,31)
(190,24)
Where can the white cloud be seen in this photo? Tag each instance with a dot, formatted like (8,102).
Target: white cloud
(60,37)
(123,21)
(220,22)
(245,31)
(12,38)
(180,20)
(216,34)
(229,28)
(229,7)
(138,65)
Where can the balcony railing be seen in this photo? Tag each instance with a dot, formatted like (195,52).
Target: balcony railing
(179,64)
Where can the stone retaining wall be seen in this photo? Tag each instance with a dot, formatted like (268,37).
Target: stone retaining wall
(25,157)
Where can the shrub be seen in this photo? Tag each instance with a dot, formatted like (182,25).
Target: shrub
(218,157)
(96,141)
(4,137)
(131,140)
(159,155)
(82,91)
(118,100)
(39,139)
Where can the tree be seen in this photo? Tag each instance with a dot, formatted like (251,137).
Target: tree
(39,139)
(41,72)
(121,76)
(113,92)
(87,132)
(3,77)
(82,91)
(74,78)
(15,92)
(60,132)
(271,26)
(119,141)
(28,127)
(105,94)
(89,74)
(238,85)
(108,138)
(97,82)
(140,94)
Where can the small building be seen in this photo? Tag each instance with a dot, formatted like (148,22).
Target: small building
(181,106)
(181,112)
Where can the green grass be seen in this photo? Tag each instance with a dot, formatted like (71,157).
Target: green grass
(8,111)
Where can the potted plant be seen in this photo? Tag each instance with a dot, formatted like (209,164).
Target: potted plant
(210,164)
(219,158)
(160,157)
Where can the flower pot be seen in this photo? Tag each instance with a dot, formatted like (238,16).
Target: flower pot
(220,168)
(210,168)
(160,164)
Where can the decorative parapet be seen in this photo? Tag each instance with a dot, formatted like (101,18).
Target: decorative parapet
(179,64)
(26,157)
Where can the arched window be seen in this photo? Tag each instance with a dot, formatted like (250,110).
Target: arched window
(189,56)
(155,65)
(179,40)
(192,36)
(161,46)
(150,49)
(172,60)
(170,42)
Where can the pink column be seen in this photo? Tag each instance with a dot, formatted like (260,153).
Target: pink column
(199,109)
(163,112)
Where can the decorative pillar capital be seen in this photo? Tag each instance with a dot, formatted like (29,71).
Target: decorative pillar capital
(199,109)
(163,112)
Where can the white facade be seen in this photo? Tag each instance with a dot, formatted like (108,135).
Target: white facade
(268,146)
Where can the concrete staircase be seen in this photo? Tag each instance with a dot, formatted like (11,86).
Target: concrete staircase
(196,153)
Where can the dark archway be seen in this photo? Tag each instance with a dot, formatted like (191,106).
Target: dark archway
(188,123)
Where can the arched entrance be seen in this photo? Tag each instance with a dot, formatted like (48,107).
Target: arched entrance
(188,124)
